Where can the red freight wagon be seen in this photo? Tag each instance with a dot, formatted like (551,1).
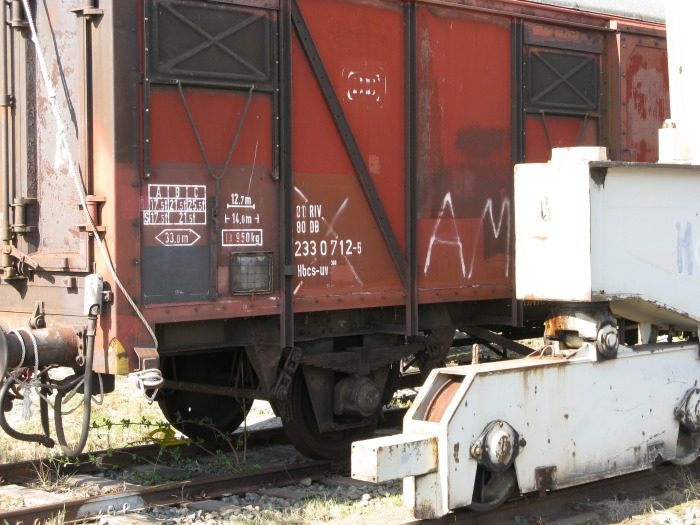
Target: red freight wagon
(300,197)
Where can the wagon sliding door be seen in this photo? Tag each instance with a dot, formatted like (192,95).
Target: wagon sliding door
(209,192)
(348,214)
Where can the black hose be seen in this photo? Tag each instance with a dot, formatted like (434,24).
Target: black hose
(44,404)
(38,438)
(87,395)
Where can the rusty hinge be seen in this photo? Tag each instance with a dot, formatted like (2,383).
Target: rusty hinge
(19,215)
(93,204)
(88,10)
(545,479)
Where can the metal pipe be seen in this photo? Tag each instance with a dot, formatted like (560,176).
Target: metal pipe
(218,390)
(54,346)
(5,231)
(85,131)
(87,392)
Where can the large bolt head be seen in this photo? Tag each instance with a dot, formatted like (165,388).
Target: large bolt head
(607,341)
(368,398)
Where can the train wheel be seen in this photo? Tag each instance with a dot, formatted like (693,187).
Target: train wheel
(202,416)
(301,426)
(492,488)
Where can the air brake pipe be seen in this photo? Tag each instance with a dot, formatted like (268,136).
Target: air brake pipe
(44,439)
(87,392)
(54,346)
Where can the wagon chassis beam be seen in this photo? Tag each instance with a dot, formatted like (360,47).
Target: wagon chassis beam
(361,360)
(492,338)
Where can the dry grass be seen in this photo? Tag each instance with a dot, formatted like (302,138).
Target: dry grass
(124,405)
(678,505)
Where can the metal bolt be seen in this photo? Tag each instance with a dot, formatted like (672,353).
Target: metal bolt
(611,339)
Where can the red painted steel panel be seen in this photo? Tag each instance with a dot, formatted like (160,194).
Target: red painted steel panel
(563,132)
(176,201)
(645,98)
(465,159)
(337,245)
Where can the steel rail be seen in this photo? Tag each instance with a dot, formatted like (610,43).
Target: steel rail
(89,462)
(552,507)
(566,504)
(172,493)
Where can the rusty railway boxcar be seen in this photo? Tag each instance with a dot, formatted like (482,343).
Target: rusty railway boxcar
(299,197)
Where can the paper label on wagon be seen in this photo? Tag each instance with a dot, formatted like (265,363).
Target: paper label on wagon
(175,204)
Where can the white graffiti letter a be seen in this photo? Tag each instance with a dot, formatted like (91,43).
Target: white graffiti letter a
(452,237)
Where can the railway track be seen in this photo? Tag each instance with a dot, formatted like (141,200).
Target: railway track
(574,505)
(95,468)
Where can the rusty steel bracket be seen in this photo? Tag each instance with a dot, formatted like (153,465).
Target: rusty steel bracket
(93,206)
(21,257)
(88,11)
(19,215)
(546,479)
(38,319)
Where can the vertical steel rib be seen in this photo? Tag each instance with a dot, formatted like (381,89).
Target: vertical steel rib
(5,232)
(285,177)
(411,103)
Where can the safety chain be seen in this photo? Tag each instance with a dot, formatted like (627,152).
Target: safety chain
(432,357)
(280,392)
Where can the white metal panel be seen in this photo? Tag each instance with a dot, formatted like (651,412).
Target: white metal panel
(607,231)
(394,457)
(646,243)
(684,82)
(587,419)
(552,228)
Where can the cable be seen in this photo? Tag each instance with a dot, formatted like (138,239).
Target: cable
(149,379)
(32,383)
(67,158)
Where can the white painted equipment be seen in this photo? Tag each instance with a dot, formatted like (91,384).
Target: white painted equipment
(679,140)
(551,422)
(598,240)
(591,230)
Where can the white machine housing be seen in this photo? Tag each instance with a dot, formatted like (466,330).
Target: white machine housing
(577,420)
(591,230)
